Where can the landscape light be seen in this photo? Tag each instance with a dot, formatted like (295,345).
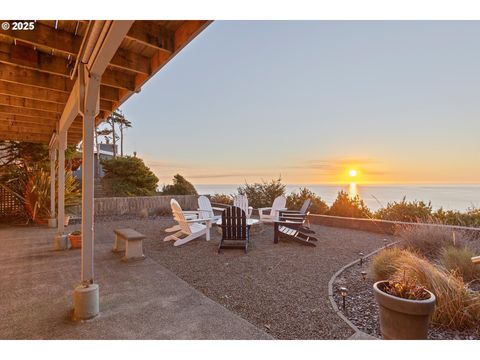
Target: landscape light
(343,293)
(364,274)
(385,243)
(361,254)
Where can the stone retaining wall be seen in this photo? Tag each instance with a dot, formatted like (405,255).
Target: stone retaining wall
(378,226)
(134,205)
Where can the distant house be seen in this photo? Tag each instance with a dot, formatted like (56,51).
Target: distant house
(105,151)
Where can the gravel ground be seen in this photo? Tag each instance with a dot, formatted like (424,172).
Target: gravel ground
(282,288)
(362,310)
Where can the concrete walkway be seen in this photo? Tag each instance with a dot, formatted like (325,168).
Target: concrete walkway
(140,300)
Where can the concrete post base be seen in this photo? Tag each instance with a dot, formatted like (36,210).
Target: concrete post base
(52,223)
(85,302)
(61,242)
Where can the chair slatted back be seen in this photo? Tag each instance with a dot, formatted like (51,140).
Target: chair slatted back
(305,206)
(205,207)
(179,217)
(279,203)
(241,201)
(234,224)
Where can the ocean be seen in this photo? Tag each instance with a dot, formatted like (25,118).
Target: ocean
(450,197)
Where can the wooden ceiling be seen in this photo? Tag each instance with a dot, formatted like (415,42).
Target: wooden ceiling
(35,69)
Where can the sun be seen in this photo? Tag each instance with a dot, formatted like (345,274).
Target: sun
(352,173)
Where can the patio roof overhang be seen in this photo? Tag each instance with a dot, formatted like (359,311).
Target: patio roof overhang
(62,78)
(39,68)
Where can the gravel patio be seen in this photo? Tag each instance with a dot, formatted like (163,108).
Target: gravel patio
(281,288)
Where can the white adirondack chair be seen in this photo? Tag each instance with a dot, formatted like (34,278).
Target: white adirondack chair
(191,229)
(241,201)
(270,214)
(206,210)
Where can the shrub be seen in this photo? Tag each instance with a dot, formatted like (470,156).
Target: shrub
(346,206)
(222,199)
(457,260)
(386,262)
(457,307)
(470,218)
(428,240)
(32,188)
(295,201)
(128,176)
(408,211)
(180,187)
(262,194)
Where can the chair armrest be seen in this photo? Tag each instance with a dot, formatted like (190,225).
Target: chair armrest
(291,212)
(218,208)
(197,220)
(191,212)
(261,210)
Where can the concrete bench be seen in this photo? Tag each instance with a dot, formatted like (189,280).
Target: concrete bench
(131,242)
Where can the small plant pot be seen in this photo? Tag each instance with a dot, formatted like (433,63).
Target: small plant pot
(75,241)
(403,319)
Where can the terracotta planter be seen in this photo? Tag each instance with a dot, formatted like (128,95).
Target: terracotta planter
(75,241)
(403,319)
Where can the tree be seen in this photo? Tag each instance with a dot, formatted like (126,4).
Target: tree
(346,206)
(296,200)
(128,176)
(262,194)
(114,119)
(124,124)
(180,187)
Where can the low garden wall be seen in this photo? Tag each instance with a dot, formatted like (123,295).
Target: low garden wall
(134,205)
(379,226)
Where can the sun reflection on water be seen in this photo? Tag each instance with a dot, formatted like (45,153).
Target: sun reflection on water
(353,191)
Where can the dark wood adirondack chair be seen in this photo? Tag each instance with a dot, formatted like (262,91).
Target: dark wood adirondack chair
(235,231)
(299,215)
(293,229)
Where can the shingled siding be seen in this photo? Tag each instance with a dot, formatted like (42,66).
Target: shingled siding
(378,226)
(134,205)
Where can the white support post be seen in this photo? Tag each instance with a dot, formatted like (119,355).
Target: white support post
(86,295)
(90,111)
(62,146)
(102,48)
(53,158)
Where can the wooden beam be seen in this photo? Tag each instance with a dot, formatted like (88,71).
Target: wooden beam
(5,109)
(187,32)
(109,93)
(12,118)
(34,93)
(25,137)
(118,80)
(60,41)
(27,129)
(152,35)
(17,75)
(19,102)
(28,58)
(40,123)
(128,60)
(106,105)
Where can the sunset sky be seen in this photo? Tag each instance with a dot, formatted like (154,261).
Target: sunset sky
(396,101)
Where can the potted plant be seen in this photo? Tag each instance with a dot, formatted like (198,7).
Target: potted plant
(75,239)
(405,309)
